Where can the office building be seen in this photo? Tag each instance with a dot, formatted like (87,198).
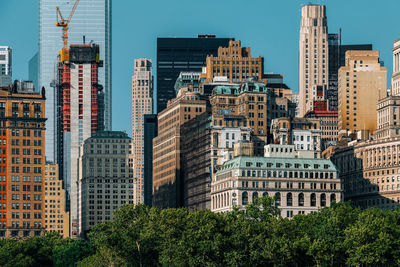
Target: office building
(142,103)
(304,133)
(362,83)
(5,65)
(370,172)
(80,114)
(256,102)
(175,55)
(234,62)
(328,123)
(337,57)
(167,163)
(395,90)
(150,132)
(389,107)
(91,22)
(313,55)
(105,180)
(56,218)
(22,134)
(299,185)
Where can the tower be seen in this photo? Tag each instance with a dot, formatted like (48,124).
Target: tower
(313,55)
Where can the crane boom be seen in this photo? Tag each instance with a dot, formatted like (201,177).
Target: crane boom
(64,24)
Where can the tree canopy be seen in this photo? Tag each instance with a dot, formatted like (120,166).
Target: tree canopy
(340,235)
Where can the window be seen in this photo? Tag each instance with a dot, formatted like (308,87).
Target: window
(313,200)
(289,199)
(301,199)
(323,200)
(245,198)
(277,199)
(333,198)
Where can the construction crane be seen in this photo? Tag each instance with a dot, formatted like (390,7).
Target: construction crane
(64,24)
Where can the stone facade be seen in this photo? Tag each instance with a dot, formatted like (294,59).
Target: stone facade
(299,186)
(142,103)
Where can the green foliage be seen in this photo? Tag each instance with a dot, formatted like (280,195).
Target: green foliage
(340,235)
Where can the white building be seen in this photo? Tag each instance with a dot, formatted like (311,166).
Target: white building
(5,65)
(299,185)
(313,55)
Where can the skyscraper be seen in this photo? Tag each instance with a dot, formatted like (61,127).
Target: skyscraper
(5,65)
(91,21)
(22,160)
(362,83)
(79,114)
(142,103)
(175,55)
(150,132)
(313,55)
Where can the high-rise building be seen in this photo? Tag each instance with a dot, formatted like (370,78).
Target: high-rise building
(56,218)
(33,69)
(313,55)
(362,83)
(395,90)
(79,113)
(150,132)
(5,65)
(91,21)
(105,180)
(167,156)
(389,107)
(234,62)
(22,134)
(142,103)
(175,55)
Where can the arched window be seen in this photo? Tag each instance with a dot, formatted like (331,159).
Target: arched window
(306,175)
(301,199)
(277,199)
(265,194)
(323,200)
(313,199)
(289,199)
(255,195)
(333,198)
(301,174)
(245,198)
(331,175)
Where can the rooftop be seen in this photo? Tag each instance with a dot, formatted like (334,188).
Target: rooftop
(304,164)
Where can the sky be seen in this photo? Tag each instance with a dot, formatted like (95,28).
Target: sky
(270,28)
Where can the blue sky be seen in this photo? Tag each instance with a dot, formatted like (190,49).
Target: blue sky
(270,28)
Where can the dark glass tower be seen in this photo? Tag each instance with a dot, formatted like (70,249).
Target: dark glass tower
(182,54)
(150,131)
(337,59)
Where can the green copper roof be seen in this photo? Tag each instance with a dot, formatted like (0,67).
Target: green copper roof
(288,164)
(238,89)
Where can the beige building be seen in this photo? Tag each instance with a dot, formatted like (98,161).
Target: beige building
(105,178)
(234,62)
(370,172)
(395,90)
(362,83)
(142,103)
(300,186)
(56,217)
(167,147)
(313,55)
(389,107)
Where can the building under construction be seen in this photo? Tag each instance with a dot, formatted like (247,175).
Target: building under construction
(80,112)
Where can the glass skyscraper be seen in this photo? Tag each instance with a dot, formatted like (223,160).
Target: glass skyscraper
(91,23)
